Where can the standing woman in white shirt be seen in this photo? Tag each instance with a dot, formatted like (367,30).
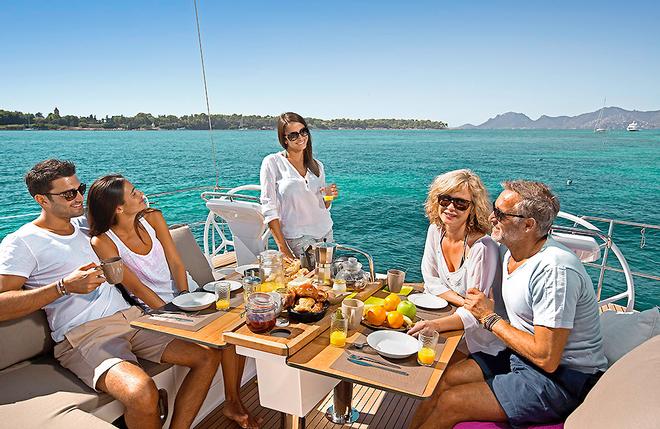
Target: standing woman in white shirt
(458,254)
(292,188)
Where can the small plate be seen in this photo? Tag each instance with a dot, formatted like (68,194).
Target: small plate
(241,270)
(221,273)
(233,285)
(428,301)
(393,344)
(194,301)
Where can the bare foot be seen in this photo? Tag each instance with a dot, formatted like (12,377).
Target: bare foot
(240,415)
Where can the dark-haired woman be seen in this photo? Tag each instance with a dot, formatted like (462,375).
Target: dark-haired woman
(292,188)
(122,225)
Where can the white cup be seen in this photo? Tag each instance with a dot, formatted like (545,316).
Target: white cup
(352,310)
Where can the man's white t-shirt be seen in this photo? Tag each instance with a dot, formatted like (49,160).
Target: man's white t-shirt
(44,258)
(553,289)
(293,199)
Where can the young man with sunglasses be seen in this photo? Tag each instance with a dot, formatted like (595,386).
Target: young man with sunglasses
(554,349)
(49,263)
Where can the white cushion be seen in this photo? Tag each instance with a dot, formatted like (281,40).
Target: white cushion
(622,332)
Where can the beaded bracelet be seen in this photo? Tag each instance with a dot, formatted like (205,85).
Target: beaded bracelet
(491,320)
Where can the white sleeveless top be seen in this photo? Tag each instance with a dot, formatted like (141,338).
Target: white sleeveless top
(152,268)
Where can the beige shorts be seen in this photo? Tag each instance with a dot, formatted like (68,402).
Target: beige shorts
(91,349)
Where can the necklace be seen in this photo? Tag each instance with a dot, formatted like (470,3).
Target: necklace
(464,249)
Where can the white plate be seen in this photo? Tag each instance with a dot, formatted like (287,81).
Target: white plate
(241,270)
(194,301)
(221,273)
(233,285)
(393,344)
(428,301)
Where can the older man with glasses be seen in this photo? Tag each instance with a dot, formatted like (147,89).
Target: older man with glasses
(554,349)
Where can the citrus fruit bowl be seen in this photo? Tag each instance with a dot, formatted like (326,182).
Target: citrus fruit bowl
(386,326)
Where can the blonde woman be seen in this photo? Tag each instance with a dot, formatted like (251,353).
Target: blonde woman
(460,255)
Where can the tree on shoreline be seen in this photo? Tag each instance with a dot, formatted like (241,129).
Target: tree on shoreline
(197,121)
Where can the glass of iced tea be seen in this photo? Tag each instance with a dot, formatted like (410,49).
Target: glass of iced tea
(428,340)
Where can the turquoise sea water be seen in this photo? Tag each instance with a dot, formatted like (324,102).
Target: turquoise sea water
(383,178)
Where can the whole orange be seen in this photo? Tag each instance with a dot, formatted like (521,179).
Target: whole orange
(376,315)
(391,301)
(394,319)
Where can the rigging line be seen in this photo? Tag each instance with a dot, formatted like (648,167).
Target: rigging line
(206,95)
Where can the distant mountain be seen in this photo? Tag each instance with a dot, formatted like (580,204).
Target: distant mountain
(613,118)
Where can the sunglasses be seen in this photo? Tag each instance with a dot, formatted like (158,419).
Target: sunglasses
(459,203)
(297,134)
(71,194)
(500,215)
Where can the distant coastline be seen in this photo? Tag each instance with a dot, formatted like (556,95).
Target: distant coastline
(13,120)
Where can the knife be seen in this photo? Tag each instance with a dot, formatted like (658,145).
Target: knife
(364,363)
(168,316)
(368,359)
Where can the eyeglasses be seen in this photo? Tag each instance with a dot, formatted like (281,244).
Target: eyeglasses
(459,203)
(71,194)
(500,215)
(297,134)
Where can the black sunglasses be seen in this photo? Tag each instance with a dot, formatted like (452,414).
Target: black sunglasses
(297,134)
(459,203)
(71,194)
(500,215)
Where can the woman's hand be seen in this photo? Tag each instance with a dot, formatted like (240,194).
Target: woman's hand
(334,190)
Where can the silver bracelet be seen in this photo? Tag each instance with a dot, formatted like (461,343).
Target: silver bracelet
(61,288)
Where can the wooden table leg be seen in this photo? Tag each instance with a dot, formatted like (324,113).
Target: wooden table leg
(289,421)
(342,411)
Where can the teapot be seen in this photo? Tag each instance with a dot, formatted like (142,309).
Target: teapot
(352,275)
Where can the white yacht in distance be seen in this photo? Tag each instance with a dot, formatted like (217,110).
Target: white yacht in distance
(633,126)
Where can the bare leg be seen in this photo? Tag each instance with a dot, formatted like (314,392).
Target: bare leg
(232,372)
(472,401)
(462,372)
(133,387)
(203,363)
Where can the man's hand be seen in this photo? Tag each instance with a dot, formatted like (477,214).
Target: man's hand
(85,279)
(477,303)
(419,326)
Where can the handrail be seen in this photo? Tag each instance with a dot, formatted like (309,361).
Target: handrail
(228,196)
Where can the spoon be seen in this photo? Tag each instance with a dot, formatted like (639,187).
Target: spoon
(359,346)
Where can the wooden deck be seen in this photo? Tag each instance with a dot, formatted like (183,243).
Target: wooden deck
(378,410)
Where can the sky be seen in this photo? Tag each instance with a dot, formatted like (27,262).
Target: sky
(454,61)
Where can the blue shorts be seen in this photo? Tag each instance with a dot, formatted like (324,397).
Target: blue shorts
(529,395)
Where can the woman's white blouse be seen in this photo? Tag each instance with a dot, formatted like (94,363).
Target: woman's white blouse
(295,200)
(481,270)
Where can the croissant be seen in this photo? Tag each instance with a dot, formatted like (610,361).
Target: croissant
(306,291)
(321,296)
(304,305)
(317,307)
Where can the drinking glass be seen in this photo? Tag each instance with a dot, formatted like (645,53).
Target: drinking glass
(222,291)
(428,340)
(338,331)
(328,196)
(251,284)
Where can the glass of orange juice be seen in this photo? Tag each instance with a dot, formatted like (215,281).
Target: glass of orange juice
(328,196)
(222,295)
(338,330)
(428,340)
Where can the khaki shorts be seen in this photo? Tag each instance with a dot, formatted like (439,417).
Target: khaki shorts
(91,349)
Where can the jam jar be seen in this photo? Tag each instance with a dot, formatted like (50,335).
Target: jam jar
(260,312)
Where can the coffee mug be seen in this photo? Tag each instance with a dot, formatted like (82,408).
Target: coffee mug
(352,310)
(113,270)
(395,280)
